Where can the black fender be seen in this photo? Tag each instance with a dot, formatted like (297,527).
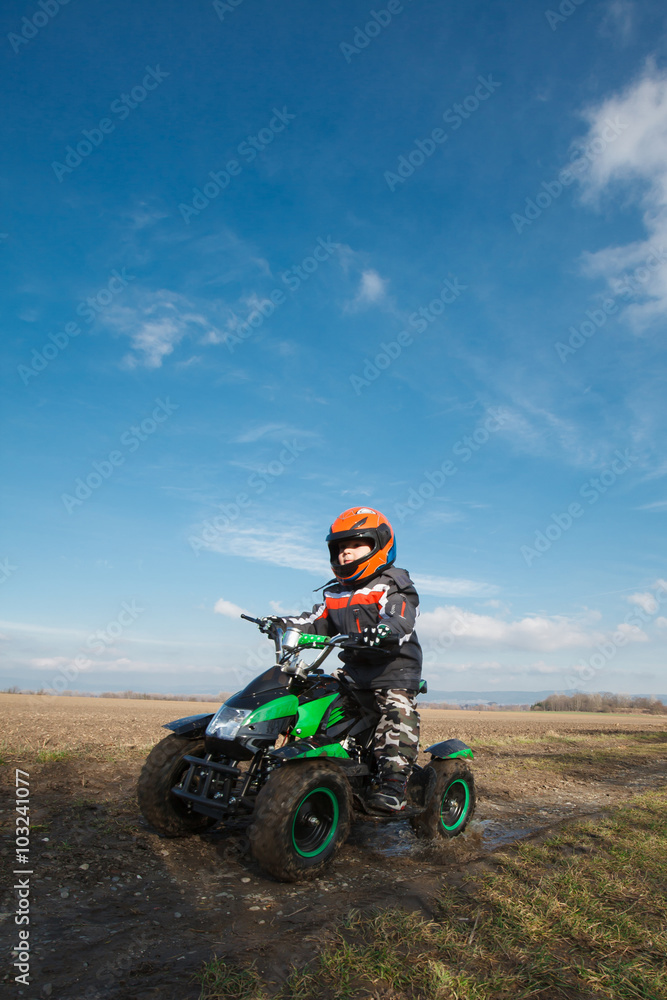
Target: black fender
(190,725)
(448,749)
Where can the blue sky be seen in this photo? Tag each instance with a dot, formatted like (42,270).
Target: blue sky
(262,262)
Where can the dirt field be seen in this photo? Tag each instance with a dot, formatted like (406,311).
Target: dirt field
(118,912)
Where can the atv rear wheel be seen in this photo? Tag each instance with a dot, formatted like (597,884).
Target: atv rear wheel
(452,803)
(164,768)
(301,819)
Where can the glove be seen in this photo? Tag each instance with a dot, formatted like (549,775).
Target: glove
(270,621)
(371,636)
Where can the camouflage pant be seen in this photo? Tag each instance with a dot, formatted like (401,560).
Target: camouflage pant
(396,741)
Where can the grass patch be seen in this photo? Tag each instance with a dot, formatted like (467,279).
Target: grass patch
(99,752)
(582,757)
(221,980)
(44,756)
(583,915)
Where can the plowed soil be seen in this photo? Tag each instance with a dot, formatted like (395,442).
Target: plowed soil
(119,912)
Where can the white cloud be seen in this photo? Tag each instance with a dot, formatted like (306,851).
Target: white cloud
(645,601)
(535,632)
(661,622)
(440,586)
(49,662)
(372,291)
(632,633)
(636,161)
(658,506)
(372,287)
(229,610)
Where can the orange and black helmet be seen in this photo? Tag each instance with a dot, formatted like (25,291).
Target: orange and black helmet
(362,523)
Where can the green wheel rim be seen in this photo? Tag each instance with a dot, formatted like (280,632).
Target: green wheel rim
(315,822)
(454,804)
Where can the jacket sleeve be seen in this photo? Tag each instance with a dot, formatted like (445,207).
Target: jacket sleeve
(401,608)
(316,621)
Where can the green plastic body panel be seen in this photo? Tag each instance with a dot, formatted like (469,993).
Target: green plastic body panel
(332,750)
(316,641)
(461,753)
(279,708)
(311,714)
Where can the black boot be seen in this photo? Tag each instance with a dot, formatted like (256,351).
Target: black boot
(390,794)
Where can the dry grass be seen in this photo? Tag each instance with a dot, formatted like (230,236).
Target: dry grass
(123,729)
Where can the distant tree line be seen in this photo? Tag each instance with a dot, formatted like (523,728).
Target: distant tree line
(141,696)
(476,706)
(599,703)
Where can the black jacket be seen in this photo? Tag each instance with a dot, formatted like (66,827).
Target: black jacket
(388,598)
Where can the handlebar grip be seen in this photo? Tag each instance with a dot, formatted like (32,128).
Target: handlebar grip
(255,621)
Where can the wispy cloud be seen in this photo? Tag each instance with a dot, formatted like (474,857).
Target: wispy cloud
(657,507)
(272,432)
(228,609)
(269,545)
(635,163)
(155,324)
(619,21)
(440,586)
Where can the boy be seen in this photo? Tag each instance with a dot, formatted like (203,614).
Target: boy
(376,605)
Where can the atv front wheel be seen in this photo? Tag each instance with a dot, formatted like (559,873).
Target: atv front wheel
(301,819)
(452,803)
(163,770)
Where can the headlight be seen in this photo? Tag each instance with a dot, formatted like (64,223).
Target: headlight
(226,722)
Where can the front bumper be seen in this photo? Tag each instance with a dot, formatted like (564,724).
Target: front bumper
(213,788)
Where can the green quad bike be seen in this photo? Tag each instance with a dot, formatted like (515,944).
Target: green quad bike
(291,754)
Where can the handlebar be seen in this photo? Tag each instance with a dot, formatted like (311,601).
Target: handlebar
(306,640)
